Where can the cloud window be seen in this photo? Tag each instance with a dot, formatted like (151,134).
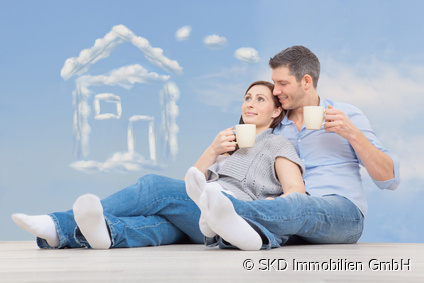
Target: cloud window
(108,98)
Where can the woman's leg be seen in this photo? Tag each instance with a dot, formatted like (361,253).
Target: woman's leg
(160,196)
(103,231)
(142,231)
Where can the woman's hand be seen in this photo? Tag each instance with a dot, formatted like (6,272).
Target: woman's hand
(224,142)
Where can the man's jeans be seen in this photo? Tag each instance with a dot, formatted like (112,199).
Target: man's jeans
(329,219)
(155,211)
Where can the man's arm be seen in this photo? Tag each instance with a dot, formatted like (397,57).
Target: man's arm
(378,164)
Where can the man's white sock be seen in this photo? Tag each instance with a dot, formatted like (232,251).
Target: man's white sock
(195,184)
(88,213)
(41,226)
(223,219)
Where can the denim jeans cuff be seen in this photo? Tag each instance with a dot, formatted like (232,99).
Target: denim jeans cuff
(42,243)
(268,239)
(211,241)
(80,239)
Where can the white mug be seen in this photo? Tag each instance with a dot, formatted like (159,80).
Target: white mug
(313,117)
(245,135)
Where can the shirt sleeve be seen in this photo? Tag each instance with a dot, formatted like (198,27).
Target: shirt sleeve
(363,124)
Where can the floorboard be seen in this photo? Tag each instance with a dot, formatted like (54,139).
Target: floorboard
(363,262)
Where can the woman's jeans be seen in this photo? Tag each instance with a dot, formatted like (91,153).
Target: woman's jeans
(155,211)
(158,211)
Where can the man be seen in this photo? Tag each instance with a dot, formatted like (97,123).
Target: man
(333,209)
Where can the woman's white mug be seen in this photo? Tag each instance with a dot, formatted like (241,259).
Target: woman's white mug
(245,135)
(313,117)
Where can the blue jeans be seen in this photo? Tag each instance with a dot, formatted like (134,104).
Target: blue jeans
(155,211)
(158,211)
(300,218)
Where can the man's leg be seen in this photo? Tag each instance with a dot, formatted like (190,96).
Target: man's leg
(153,195)
(328,219)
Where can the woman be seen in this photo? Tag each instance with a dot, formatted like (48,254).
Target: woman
(267,170)
(156,210)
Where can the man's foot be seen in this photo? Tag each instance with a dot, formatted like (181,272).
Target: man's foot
(41,226)
(223,219)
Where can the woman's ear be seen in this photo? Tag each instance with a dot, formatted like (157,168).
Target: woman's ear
(277,112)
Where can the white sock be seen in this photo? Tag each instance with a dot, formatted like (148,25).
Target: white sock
(195,184)
(223,219)
(41,226)
(88,213)
(205,228)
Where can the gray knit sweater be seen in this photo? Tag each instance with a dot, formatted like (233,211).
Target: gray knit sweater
(250,172)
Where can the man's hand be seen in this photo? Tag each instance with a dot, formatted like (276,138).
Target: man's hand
(338,122)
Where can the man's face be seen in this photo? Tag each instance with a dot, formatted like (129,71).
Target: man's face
(287,89)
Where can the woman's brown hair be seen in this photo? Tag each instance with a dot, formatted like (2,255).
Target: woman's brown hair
(277,103)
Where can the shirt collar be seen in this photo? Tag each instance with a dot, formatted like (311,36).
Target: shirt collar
(286,120)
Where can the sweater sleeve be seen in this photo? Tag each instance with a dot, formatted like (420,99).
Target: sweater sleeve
(286,149)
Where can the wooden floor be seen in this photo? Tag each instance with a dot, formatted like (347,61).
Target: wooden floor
(362,262)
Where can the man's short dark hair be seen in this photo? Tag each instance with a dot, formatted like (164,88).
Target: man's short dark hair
(300,61)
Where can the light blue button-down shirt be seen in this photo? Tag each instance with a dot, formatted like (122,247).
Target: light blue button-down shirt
(332,166)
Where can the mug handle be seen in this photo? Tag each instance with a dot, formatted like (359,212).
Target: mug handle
(325,112)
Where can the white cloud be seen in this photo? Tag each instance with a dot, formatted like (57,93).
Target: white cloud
(125,77)
(410,151)
(168,99)
(109,98)
(118,162)
(215,41)
(183,33)
(247,54)
(377,88)
(104,46)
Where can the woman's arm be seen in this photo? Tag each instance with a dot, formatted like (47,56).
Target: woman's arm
(289,175)
(224,142)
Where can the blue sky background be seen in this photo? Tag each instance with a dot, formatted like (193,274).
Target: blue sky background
(371,56)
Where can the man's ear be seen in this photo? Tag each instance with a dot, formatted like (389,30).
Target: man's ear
(307,82)
(277,112)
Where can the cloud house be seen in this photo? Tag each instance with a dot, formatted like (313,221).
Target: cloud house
(124,117)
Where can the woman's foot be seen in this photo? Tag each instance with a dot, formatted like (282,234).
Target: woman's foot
(88,213)
(41,226)
(195,185)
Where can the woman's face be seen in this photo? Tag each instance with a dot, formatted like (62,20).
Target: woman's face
(258,107)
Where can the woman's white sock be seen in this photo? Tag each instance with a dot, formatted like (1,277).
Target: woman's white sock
(195,185)
(220,215)
(41,226)
(88,213)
